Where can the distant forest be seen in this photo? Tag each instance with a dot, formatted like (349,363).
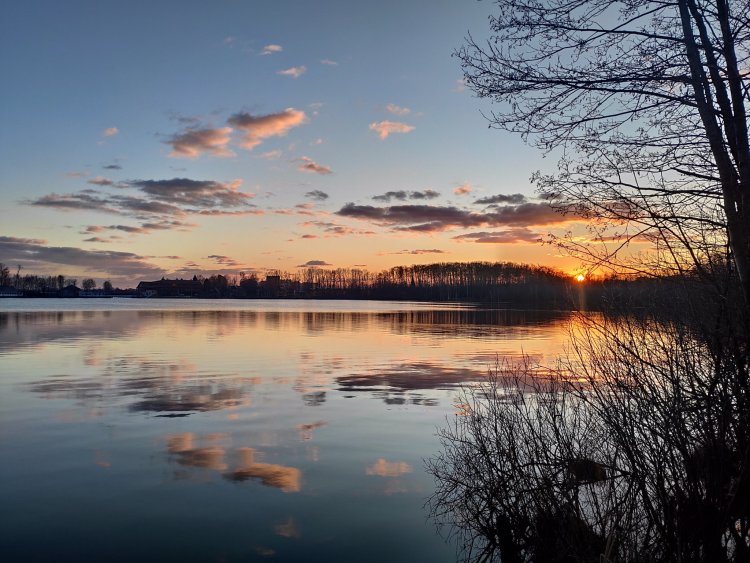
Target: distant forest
(502,283)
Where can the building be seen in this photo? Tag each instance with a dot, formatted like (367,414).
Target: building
(170,288)
(6,291)
(70,291)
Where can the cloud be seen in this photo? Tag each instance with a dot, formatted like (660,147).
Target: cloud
(336,230)
(397,110)
(35,255)
(419,251)
(294,71)
(192,142)
(260,127)
(97,239)
(434,218)
(100,181)
(501,198)
(385,128)
(510,236)
(329,62)
(175,197)
(314,264)
(463,189)
(144,228)
(79,201)
(459,85)
(424,194)
(403,195)
(271,49)
(307,164)
(271,155)
(224,260)
(317,195)
(112,167)
(110,132)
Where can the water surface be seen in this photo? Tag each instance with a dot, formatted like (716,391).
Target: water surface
(192,430)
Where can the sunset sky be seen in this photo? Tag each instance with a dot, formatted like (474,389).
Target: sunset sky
(144,139)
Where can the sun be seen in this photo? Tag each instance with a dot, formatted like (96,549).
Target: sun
(580,278)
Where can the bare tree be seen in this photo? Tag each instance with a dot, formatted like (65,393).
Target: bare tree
(648,102)
(89,284)
(636,449)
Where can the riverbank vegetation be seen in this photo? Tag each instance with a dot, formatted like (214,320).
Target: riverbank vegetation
(636,446)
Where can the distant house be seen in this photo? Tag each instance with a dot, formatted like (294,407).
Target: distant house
(70,291)
(6,291)
(170,288)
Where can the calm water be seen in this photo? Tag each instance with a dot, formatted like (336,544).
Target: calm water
(148,430)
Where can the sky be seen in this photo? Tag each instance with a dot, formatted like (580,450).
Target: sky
(144,139)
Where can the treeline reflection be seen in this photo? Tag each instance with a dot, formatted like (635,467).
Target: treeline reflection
(23,329)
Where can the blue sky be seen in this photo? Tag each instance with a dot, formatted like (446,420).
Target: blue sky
(166,138)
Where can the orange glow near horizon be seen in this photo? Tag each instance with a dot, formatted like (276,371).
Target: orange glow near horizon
(580,278)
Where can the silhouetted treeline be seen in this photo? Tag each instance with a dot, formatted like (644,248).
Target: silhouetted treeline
(503,284)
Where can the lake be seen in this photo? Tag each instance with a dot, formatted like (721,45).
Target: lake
(223,431)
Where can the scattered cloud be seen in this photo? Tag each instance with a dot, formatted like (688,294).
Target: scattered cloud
(110,132)
(314,264)
(316,142)
(463,189)
(510,236)
(403,195)
(100,181)
(329,62)
(294,71)
(385,128)
(271,155)
(256,128)
(459,85)
(224,260)
(143,228)
(76,174)
(415,252)
(112,167)
(271,49)
(307,164)
(35,255)
(173,198)
(193,142)
(397,110)
(336,230)
(317,195)
(514,199)
(435,218)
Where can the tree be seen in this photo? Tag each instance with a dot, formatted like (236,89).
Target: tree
(4,275)
(648,103)
(88,284)
(636,449)
(107,286)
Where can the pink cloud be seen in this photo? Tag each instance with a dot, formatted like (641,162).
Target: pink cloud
(271,49)
(397,110)
(307,164)
(385,128)
(294,72)
(110,132)
(260,127)
(192,143)
(463,189)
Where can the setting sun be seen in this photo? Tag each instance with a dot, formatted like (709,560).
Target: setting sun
(580,278)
